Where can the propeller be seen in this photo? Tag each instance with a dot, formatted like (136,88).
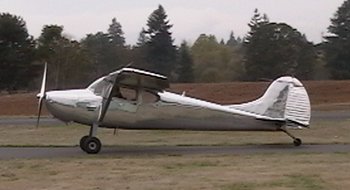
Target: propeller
(41,95)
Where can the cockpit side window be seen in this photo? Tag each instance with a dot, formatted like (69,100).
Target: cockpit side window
(117,93)
(149,97)
(127,94)
(124,92)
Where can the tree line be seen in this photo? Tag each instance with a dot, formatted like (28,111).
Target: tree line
(267,51)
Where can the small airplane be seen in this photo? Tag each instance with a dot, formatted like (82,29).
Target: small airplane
(130,98)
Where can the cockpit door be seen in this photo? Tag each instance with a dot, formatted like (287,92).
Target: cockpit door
(125,99)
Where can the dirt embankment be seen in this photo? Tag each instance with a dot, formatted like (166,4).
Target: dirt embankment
(322,93)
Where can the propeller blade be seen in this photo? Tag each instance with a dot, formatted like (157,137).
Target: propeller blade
(39,110)
(42,95)
(43,83)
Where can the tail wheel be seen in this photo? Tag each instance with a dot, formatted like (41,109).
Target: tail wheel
(91,145)
(297,142)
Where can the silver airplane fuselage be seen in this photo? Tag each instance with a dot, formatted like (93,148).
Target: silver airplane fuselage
(166,111)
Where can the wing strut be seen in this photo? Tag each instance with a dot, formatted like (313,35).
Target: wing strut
(106,100)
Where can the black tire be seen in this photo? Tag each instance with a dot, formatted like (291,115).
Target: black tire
(297,142)
(92,145)
(82,141)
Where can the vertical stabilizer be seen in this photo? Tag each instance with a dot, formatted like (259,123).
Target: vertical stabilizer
(285,99)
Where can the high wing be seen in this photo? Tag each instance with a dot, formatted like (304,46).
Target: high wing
(126,77)
(141,79)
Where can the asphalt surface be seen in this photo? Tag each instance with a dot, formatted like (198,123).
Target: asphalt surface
(7,153)
(337,115)
(64,152)
(46,121)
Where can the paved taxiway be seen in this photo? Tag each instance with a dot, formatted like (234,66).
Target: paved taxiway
(45,121)
(7,153)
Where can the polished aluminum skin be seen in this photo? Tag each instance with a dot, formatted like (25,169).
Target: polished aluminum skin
(136,99)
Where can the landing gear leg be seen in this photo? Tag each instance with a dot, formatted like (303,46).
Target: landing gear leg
(296,141)
(91,144)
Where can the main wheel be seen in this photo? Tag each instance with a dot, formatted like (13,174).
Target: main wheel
(297,142)
(92,145)
(82,141)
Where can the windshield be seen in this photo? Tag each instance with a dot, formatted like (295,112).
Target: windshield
(97,86)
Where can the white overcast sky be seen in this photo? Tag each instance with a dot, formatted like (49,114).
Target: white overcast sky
(189,17)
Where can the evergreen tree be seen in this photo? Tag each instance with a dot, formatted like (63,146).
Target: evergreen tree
(232,40)
(64,58)
(107,51)
(52,46)
(50,37)
(239,40)
(16,53)
(255,23)
(142,39)
(161,53)
(100,50)
(277,49)
(119,52)
(139,51)
(338,43)
(116,33)
(185,64)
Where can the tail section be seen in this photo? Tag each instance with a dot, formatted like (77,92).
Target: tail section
(286,99)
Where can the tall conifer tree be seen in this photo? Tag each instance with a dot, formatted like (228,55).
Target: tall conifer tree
(185,64)
(338,43)
(16,53)
(161,53)
(116,33)
(277,49)
(255,23)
